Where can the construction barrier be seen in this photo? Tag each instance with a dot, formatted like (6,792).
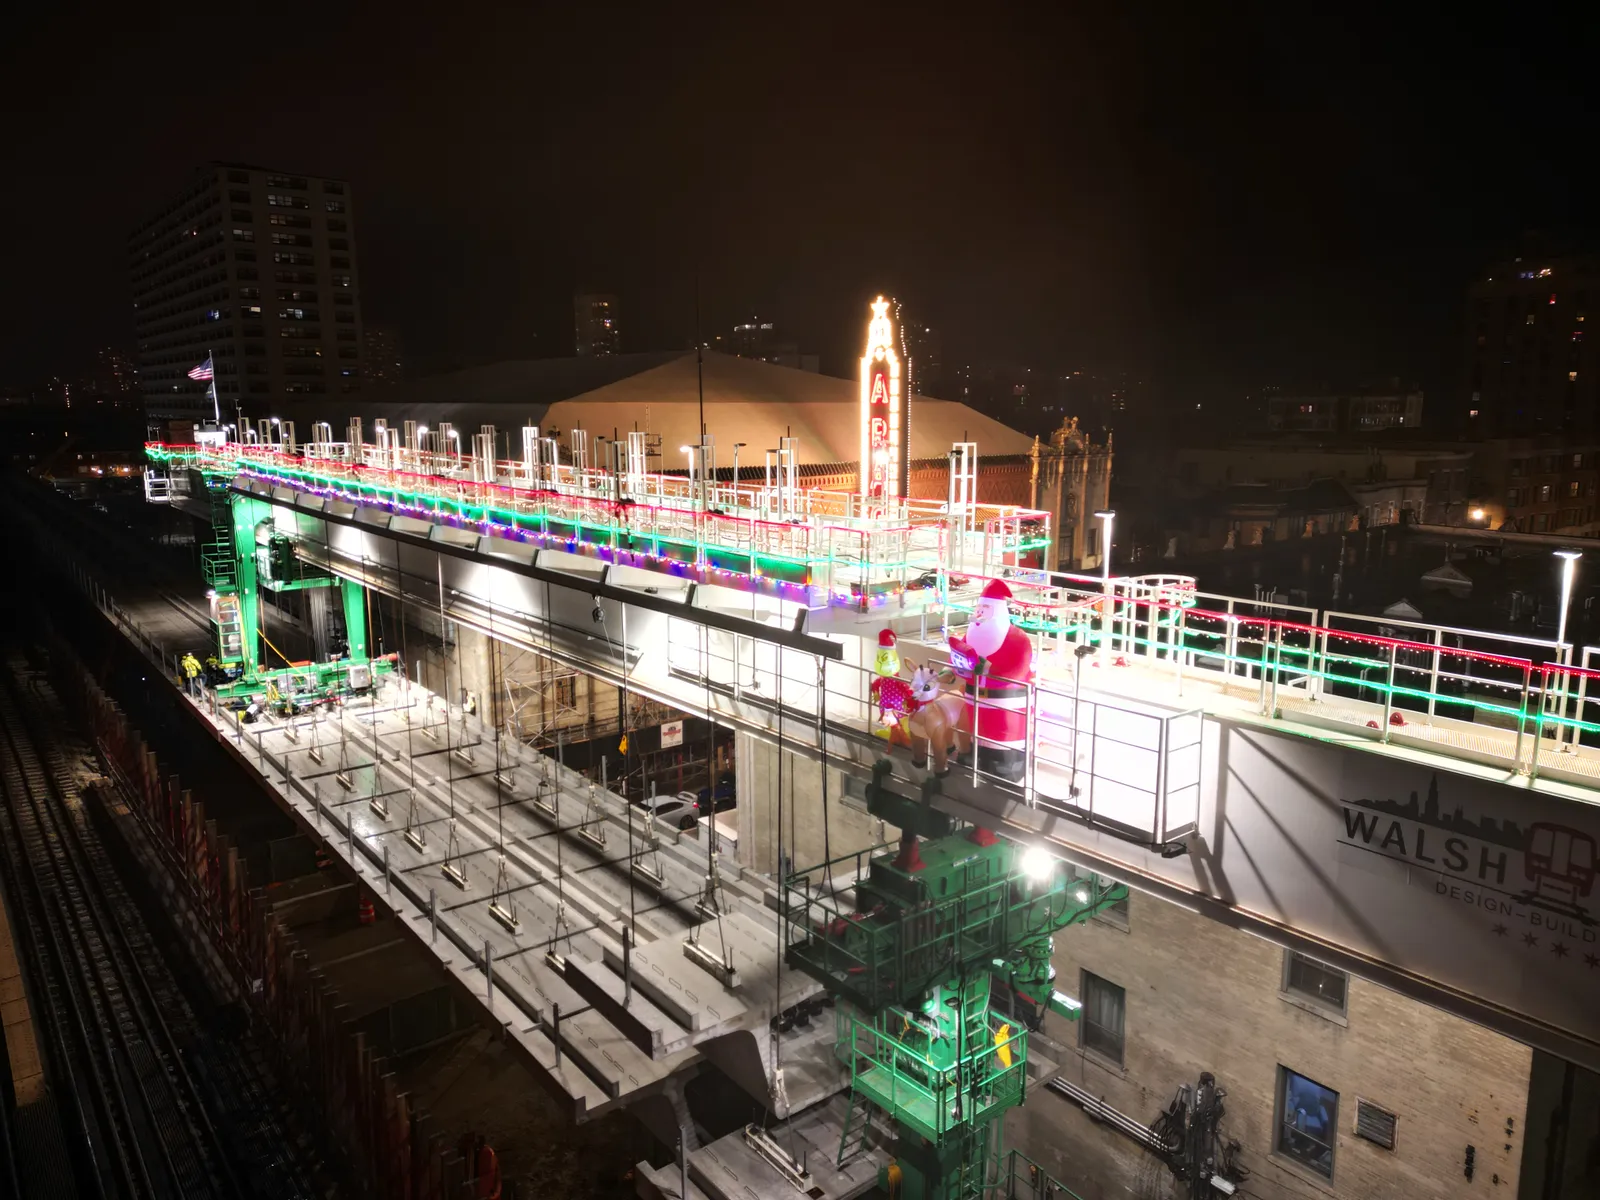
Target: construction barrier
(348,1091)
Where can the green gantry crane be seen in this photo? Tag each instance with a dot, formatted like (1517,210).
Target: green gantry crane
(917,951)
(244,553)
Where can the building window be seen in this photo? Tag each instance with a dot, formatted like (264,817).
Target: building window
(1116,914)
(1308,1121)
(1308,979)
(334,206)
(1572,488)
(1100,1025)
(336,188)
(238,176)
(1544,491)
(244,235)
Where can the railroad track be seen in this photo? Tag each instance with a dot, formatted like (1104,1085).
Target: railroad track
(152,1104)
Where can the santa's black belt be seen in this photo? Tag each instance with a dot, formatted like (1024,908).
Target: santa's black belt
(1001,693)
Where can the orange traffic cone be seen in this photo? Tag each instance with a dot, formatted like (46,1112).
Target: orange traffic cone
(365,913)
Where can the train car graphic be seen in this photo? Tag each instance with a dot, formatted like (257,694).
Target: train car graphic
(1560,863)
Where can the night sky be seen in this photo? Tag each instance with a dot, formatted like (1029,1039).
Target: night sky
(1216,200)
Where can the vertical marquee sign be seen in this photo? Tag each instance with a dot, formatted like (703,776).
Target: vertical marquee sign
(883,454)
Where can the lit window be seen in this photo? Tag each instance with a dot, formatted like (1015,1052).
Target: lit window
(1308,1121)
(1572,377)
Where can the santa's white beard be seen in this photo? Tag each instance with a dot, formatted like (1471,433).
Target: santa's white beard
(987,633)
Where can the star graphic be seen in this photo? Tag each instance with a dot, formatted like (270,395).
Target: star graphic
(1559,949)
(1499,929)
(1529,939)
(1591,960)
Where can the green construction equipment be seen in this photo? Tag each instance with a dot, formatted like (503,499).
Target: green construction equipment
(244,553)
(938,957)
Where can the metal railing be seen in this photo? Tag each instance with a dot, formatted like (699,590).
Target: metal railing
(1497,698)
(832,540)
(919,1088)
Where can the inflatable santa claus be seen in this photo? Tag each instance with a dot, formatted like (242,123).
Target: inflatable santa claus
(995,663)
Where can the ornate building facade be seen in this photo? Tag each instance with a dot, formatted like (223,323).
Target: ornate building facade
(1072,480)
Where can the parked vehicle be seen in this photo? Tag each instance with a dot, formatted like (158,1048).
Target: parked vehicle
(720,799)
(678,812)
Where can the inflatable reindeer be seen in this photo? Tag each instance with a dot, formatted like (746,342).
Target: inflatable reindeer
(938,720)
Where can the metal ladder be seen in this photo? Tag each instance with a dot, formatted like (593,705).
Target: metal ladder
(854,1136)
(217,560)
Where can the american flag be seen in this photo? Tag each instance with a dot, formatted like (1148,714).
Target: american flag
(203,371)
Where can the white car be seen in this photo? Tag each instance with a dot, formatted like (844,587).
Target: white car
(678,812)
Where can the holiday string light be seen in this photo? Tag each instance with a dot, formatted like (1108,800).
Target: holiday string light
(1288,651)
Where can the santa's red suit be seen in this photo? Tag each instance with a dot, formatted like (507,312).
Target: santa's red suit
(996,683)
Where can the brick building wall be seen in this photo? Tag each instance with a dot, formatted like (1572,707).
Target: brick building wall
(1200,997)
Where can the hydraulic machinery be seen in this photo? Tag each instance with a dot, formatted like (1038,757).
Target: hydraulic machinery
(938,956)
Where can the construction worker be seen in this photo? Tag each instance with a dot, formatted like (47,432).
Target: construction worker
(191,671)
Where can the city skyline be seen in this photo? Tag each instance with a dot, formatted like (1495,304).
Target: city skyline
(1217,202)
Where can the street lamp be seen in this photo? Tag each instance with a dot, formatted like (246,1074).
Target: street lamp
(1569,568)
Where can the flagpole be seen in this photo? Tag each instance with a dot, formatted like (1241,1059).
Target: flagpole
(216,405)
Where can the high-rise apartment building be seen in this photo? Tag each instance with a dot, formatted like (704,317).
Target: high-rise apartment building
(114,372)
(596,320)
(256,268)
(383,356)
(1531,366)
(920,344)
